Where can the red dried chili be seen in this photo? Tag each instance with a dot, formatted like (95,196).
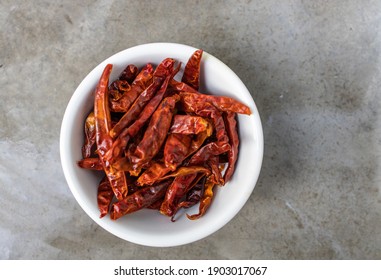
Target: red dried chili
(104,196)
(186,124)
(192,197)
(153,174)
(89,135)
(138,200)
(222,103)
(129,73)
(180,86)
(231,127)
(142,80)
(179,187)
(206,199)
(90,163)
(191,74)
(176,149)
(116,178)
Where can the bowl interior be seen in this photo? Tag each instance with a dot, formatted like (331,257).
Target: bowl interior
(148,227)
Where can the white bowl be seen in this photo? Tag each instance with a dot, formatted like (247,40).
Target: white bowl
(149,227)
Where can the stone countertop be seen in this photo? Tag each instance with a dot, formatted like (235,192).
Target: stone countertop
(313,68)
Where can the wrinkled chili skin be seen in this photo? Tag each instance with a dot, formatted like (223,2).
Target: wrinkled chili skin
(89,135)
(164,69)
(120,86)
(214,165)
(206,199)
(207,151)
(140,83)
(153,173)
(155,133)
(214,179)
(175,192)
(90,163)
(180,86)
(231,127)
(104,197)
(116,178)
(102,113)
(179,145)
(159,172)
(182,184)
(176,149)
(186,124)
(140,199)
(129,73)
(222,103)
(200,139)
(191,74)
(156,205)
(209,111)
(186,170)
(192,197)
(117,90)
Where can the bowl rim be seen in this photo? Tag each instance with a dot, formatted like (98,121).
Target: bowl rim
(67,165)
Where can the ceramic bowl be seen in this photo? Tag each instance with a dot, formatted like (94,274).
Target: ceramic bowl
(149,227)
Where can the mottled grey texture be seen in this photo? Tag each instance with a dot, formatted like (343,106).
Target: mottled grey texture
(313,68)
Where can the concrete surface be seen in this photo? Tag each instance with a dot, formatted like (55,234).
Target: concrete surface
(313,68)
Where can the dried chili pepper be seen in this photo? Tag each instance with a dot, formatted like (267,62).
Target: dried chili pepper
(160,173)
(191,74)
(120,85)
(155,133)
(192,197)
(138,200)
(186,124)
(214,165)
(214,179)
(179,187)
(102,118)
(231,127)
(104,196)
(180,86)
(116,178)
(200,139)
(186,170)
(176,149)
(182,184)
(210,149)
(141,82)
(164,70)
(207,110)
(129,73)
(156,205)
(90,163)
(226,104)
(89,136)
(206,199)
(156,171)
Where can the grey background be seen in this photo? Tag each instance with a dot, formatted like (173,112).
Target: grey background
(313,68)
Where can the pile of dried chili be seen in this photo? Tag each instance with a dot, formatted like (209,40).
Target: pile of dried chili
(160,143)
